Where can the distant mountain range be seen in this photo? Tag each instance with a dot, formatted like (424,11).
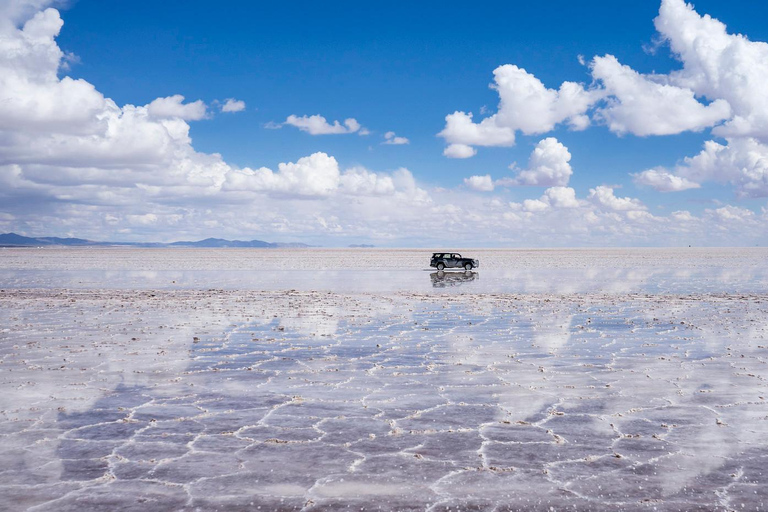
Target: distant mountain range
(14,240)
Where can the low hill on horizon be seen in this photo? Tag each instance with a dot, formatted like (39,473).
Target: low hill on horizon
(16,240)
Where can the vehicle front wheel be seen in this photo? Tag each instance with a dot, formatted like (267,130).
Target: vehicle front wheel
(467,266)
(440,266)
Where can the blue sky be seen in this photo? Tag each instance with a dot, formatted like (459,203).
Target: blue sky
(393,68)
(400,69)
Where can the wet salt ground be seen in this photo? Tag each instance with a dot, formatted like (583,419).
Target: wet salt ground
(711,279)
(231,400)
(560,271)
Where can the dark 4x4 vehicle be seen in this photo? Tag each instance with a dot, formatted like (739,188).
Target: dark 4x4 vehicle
(443,260)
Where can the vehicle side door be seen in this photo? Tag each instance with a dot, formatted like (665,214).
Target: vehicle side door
(453,261)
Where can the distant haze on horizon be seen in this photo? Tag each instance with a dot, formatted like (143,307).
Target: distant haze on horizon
(644,125)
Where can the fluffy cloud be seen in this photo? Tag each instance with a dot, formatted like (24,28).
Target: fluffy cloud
(311,176)
(639,105)
(459,151)
(720,86)
(69,151)
(663,181)
(743,163)
(725,67)
(33,97)
(604,198)
(718,65)
(535,205)
(318,125)
(683,216)
(625,100)
(47,121)
(561,197)
(525,105)
(233,105)
(318,176)
(480,183)
(74,162)
(730,215)
(174,107)
(361,181)
(547,167)
(460,130)
(391,138)
(554,197)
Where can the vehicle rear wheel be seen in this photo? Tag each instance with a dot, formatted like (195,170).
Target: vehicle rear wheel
(440,266)
(467,266)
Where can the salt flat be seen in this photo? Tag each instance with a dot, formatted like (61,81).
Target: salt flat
(681,270)
(273,380)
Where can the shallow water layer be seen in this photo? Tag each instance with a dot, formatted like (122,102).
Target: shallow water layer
(682,270)
(713,280)
(229,400)
(666,280)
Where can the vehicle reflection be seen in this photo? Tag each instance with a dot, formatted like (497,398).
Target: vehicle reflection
(442,279)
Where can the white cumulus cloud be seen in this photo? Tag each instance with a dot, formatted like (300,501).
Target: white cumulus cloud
(604,198)
(742,163)
(663,181)
(525,105)
(535,205)
(361,181)
(548,166)
(561,197)
(318,125)
(73,161)
(233,105)
(459,151)
(731,214)
(460,130)
(174,107)
(639,105)
(391,138)
(683,216)
(718,65)
(480,183)
(316,175)
(720,86)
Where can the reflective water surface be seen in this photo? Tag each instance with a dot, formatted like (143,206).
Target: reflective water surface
(384,270)
(556,396)
(546,280)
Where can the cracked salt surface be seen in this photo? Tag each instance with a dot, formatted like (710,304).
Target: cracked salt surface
(444,399)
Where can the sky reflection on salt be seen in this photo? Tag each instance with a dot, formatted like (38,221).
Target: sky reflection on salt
(713,279)
(594,385)
(315,401)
